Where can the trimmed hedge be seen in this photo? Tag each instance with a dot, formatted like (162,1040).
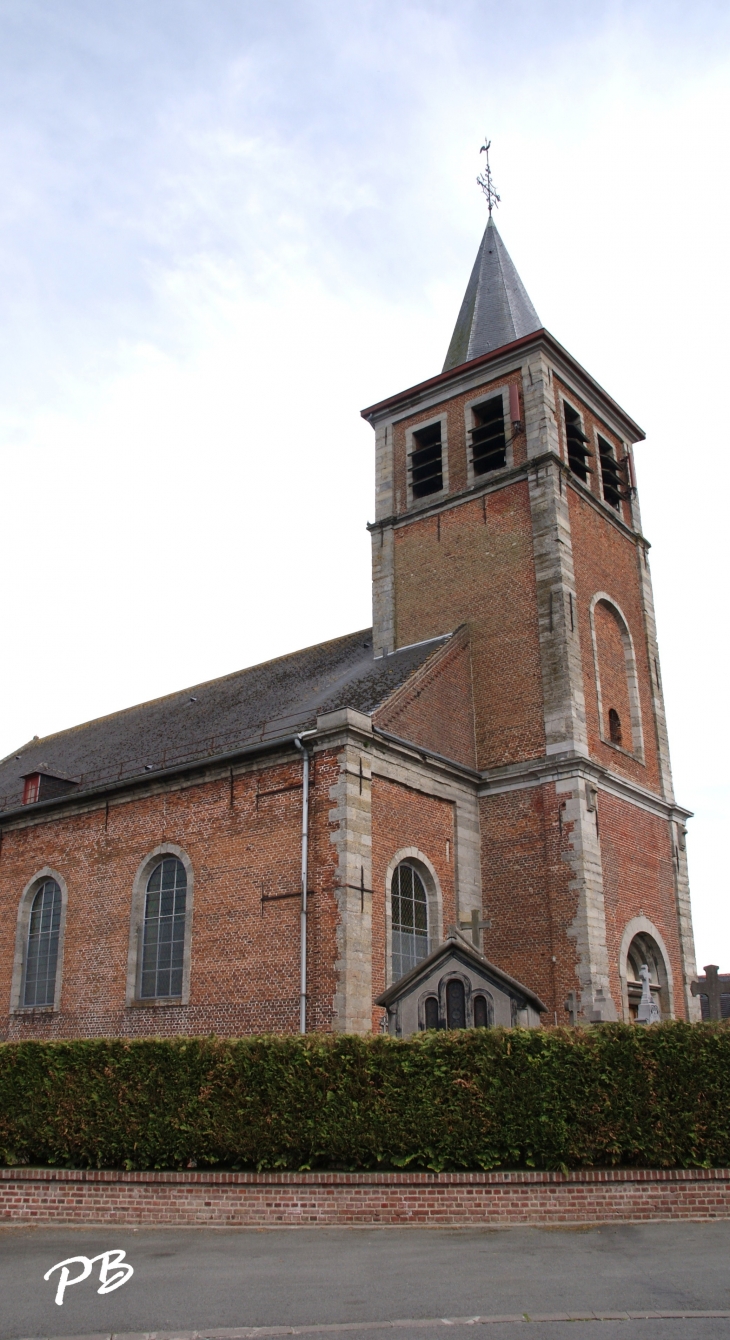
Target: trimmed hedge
(543,1098)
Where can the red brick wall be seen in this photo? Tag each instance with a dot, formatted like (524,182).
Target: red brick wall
(453,408)
(474,565)
(403,817)
(591,426)
(245,956)
(607,560)
(527,894)
(435,707)
(275,1200)
(612,673)
(638,881)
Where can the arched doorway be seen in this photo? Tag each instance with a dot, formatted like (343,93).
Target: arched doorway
(644,949)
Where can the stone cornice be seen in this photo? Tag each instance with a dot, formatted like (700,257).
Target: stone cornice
(536,772)
(507,477)
(340,729)
(496,363)
(146,784)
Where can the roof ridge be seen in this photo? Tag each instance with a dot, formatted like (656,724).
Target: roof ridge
(421,671)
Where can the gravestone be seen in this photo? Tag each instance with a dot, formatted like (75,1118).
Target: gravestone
(710,988)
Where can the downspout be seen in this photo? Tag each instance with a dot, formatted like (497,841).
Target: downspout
(305,877)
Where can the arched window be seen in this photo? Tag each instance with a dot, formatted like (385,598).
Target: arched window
(483,1011)
(41,957)
(163,941)
(409,912)
(617,684)
(455,1004)
(431,1012)
(614,726)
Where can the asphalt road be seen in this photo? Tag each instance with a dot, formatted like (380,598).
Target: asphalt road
(202,1280)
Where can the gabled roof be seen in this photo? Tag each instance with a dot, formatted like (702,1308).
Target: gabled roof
(496,309)
(455,946)
(261,704)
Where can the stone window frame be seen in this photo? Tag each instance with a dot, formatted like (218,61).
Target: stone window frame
(592,482)
(434,896)
(483,991)
(431,993)
(474,481)
(21,944)
(642,926)
(632,679)
(414,428)
(136,927)
(438,993)
(453,975)
(607,434)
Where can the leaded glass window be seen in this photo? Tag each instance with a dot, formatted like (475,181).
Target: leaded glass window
(41,958)
(431,1012)
(483,1011)
(455,1004)
(409,919)
(164,930)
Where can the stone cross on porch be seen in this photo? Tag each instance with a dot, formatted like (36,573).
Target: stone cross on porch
(476,927)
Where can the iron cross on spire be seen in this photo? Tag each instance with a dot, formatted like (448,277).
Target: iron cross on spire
(485,180)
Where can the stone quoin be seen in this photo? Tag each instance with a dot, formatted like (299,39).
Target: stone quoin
(486,769)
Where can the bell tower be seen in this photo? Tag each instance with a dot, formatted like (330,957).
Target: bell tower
(506,501)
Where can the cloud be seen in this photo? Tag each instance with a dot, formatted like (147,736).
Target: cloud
(224,227)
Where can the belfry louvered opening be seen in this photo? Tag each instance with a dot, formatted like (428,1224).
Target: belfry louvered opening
(578,453)
(613,475)
(425,463)
(488,439)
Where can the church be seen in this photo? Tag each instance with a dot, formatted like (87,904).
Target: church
(460,817)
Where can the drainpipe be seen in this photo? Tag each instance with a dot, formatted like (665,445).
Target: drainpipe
(305,877)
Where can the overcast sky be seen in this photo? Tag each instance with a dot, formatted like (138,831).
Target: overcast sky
(226,226)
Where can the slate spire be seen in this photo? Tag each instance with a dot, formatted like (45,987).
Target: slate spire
(496,308)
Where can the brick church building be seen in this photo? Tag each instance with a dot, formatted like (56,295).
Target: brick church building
(478,786)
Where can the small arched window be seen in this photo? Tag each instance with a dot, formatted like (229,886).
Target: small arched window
(163,942)
(614,726)
(431,1012)
(409,913)
(483,1011)
(455,1004)
(41,958)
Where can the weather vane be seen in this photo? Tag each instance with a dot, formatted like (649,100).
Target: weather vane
(485,180)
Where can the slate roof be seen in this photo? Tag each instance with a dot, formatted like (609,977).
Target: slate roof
(496,309)
(261,704)
(455,946)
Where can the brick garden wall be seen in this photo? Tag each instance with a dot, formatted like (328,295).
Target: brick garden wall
(307,1200)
